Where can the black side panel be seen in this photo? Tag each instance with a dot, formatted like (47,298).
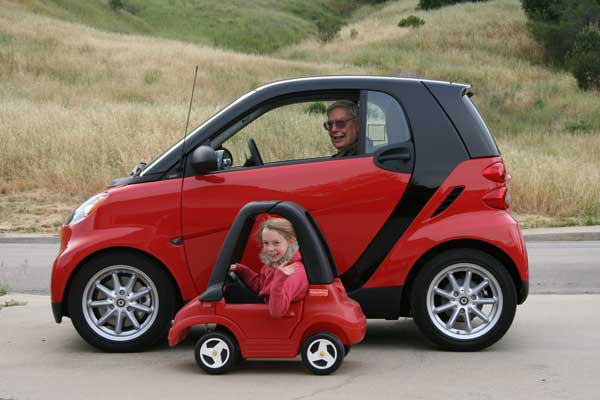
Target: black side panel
(466,119)
(379,302)
(438,150)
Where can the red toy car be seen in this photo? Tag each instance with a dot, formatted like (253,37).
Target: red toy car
(416,220)
(321,327)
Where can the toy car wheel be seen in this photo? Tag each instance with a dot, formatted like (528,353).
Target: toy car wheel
(322,353)
(121,302)
(217,352)
(347,350)
(464,300)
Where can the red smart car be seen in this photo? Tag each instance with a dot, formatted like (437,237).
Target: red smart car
(321,327)
(416,217)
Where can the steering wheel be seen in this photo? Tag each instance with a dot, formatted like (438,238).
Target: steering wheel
(255,158)
(234,279)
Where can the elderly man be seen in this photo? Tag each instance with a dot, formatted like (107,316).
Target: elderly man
(342,125)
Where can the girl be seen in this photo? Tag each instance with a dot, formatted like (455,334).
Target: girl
(282,278)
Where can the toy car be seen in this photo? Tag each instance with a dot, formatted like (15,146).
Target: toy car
(417,220)
(321,327)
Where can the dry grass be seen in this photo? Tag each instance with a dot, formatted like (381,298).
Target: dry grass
(79,107)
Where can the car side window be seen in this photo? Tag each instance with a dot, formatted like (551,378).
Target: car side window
(386,122)
(290,132)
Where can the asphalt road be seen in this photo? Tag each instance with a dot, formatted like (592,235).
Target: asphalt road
(551,352)
(555,267)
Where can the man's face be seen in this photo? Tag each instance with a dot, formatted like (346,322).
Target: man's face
(342,137)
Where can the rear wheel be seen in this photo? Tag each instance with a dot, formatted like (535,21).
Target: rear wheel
(464,300)
(121,301)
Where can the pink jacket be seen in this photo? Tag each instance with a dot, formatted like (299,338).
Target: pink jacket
(275,286)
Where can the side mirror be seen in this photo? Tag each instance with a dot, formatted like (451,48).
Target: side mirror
(204,159)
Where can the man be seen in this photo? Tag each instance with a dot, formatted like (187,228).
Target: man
(342,125)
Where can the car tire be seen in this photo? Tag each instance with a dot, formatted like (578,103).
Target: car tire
(217,352)
(322,353)
(121,302)
(463,300)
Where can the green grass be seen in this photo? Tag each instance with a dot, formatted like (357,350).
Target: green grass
(257,26)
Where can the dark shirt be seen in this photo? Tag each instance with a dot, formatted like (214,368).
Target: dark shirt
(347,151)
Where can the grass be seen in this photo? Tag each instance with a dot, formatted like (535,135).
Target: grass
(66,89)
(12,303)
(258,26)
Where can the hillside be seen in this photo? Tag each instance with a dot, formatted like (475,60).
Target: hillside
(257,26)
(66,88)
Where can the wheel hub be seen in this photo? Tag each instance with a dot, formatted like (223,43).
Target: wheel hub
(120,302)
(464,301)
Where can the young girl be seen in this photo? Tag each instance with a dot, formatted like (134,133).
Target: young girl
(282,278)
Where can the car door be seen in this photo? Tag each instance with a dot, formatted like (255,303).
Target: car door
(350,197)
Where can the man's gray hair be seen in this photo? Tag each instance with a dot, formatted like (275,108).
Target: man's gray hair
(347,104)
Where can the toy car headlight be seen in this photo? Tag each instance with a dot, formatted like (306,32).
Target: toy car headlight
(86,208)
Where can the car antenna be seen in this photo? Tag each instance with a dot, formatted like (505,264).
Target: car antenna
(181,165)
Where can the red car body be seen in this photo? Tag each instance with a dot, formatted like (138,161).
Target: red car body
(386,223)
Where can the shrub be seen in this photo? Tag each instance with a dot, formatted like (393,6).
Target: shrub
(411,21)
(542,10)
(584,59)
(318,107)
(328,30)
(353,34)
(431,4)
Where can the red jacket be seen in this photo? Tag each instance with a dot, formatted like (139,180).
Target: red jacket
(275,286)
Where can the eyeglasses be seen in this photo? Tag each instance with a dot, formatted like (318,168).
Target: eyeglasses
(338,123)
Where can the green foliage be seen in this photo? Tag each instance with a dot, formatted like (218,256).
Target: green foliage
(328,30)
(152,76)
(318,107)
(584,59)
(568,33)
(432,4)
(411,21)
(117,5)
(261,26)
(542,10)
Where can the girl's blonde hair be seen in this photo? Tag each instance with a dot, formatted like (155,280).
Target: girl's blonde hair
(280,225)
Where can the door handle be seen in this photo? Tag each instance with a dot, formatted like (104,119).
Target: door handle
(396,154)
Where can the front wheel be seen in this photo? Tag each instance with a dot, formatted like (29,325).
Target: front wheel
(464,300)
(121,302)
(217,352)
(322,353)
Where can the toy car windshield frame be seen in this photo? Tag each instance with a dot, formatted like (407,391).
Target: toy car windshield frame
(318,260)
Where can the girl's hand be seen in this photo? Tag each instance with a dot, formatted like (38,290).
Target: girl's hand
(288,269)
(233,267)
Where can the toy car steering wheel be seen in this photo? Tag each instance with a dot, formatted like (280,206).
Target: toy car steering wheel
(234,278)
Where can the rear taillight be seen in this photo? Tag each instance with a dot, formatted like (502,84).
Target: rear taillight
(499,196)
(496,172)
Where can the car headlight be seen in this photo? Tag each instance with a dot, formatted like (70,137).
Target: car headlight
(86,208)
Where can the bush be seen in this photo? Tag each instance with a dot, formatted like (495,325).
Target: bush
(328,30)
(542,10)
(584,59)
(318,107)
(411,21)
(431,4)
(568,31)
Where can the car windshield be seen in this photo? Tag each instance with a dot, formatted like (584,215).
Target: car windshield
(176,146)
